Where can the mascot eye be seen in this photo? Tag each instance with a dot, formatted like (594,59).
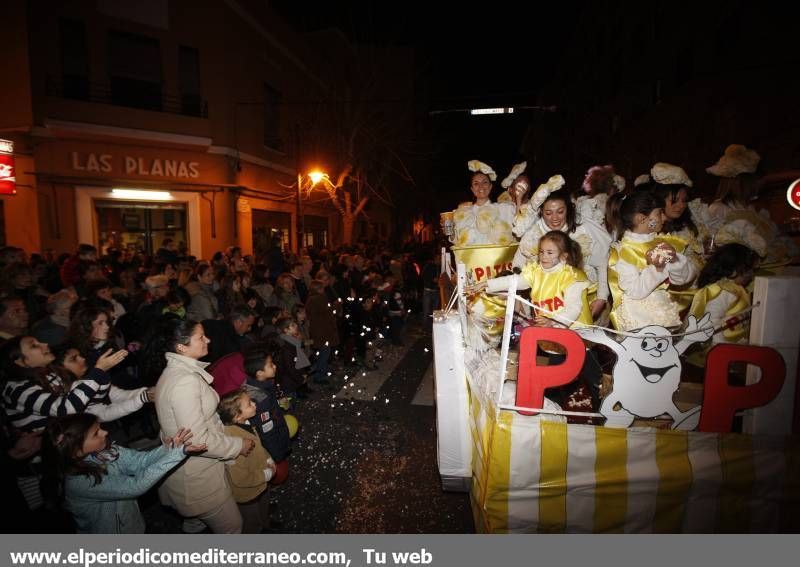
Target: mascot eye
(648,344)
(663,345)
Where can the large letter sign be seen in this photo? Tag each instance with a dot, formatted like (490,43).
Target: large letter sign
(533,380)
(717,417)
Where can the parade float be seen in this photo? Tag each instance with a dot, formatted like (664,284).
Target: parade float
(659,456)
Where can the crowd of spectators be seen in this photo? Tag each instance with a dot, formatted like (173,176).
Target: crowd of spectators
(208,356)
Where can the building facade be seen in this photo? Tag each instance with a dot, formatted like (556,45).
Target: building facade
(133,122)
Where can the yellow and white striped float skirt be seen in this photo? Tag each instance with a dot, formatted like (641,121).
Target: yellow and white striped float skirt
(532,475)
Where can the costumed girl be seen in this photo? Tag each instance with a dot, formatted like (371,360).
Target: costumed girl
(483,222)
(684,219)
(643,265)
(738,187)
(560,288)
(550,208)
(599,184)
(723,292)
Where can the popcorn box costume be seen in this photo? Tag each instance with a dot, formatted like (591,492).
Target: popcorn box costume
(640,292)
(489,223)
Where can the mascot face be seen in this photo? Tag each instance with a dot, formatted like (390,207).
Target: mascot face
(652,354)
(648,372)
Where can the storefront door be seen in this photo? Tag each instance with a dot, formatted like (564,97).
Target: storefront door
(267,224)
(316,229)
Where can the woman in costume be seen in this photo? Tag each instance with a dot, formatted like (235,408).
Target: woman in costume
(483,222)
(551,208)
(738,187)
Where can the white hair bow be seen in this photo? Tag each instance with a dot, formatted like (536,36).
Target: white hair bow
(555,183)
(474,165)
(516,171)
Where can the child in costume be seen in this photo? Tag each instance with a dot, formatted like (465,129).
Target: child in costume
(551,208)
(685,219)
(600,183)
(723,292)
(559,287)
(557,283)
(643,265)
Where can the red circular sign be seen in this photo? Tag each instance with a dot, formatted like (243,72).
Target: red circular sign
(793,195)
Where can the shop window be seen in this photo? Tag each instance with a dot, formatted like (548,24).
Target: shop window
(141,227)
(267,225)
(135,71)
(189,79)
(272,118)
(74,60)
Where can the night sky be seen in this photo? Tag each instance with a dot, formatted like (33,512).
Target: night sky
(500,55)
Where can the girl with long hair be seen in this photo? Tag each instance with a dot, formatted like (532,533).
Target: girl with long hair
(644,264)
(723,292)
(34,392)
(99,481)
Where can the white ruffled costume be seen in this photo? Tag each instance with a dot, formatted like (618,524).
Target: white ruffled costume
(642,304)
(740,222)
(489,223)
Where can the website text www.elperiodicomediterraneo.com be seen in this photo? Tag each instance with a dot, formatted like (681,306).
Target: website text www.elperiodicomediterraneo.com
(213,557)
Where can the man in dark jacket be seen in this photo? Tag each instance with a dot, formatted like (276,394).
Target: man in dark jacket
(229,335)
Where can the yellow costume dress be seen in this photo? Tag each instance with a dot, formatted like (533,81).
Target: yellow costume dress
(726,301)
(591,237)
(639,291)
(562,290)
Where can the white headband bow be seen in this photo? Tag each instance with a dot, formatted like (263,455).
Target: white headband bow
(516,171)
(475,166)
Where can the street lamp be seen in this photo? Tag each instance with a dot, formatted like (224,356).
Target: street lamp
(315,177)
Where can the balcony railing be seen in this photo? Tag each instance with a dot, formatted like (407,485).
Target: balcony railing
(131,93)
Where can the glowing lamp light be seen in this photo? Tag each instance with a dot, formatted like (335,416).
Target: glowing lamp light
(316,176)
(141,195)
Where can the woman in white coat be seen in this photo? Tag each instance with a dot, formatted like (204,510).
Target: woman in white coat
(198,488)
